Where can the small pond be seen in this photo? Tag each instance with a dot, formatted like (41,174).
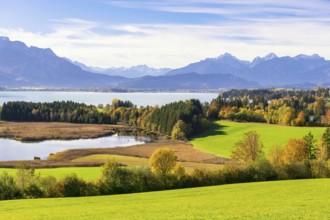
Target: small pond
(16,150)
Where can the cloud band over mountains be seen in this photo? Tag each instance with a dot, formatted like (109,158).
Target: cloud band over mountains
(171,33)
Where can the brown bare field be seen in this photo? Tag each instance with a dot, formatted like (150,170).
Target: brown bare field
(142,162)
(184,152)
(49,164)
(85,157)
(36,131)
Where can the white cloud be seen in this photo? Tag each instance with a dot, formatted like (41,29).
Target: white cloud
(235,8)
(175,45)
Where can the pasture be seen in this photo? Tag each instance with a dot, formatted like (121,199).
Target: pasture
(220,138)
(138,161)
(93,173)
(86,173)
(294,199)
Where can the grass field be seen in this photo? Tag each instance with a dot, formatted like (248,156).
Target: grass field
(87,173)
(137,161)
(92,173)
(295,199)
(222,136)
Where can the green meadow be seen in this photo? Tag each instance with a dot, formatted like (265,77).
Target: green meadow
(93,173)
(86,173)
(220,138)
(295,199)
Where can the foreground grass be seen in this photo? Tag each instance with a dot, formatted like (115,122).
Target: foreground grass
(295,199)
(86,173)
(222,136)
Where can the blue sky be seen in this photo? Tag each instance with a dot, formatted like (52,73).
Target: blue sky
(168,33)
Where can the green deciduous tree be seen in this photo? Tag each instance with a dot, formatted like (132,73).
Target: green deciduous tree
(295,150)
(275,155)
(249,149)
(25,175)
(162,163)
(179,130)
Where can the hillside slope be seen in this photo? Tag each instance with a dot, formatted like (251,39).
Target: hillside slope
(220,138)
(294,199)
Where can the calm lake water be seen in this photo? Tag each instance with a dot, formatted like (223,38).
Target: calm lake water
(16,150)
(94,98)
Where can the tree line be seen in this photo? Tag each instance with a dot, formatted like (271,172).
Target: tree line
(178,119)
(54,112)
(273,106)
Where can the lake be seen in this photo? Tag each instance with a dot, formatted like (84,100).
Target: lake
(94,98)
(16,150)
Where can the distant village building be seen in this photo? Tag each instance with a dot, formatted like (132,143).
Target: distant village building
(311,118)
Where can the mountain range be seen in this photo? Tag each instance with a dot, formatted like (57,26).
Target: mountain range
(129,72)
(268,71)
(23,66)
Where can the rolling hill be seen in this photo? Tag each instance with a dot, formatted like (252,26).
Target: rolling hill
(294,199)
(220,138)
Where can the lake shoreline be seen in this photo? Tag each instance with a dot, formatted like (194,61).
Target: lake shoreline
(184,151)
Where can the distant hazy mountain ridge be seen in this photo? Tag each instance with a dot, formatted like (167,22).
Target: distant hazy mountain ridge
(270,70)
(129,72)
(22,66)
(31,66)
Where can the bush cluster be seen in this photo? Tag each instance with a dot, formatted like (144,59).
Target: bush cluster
(116,179)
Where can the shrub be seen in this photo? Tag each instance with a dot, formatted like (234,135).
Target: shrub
(319,169)
(8,187)
(297,171)
(49,186)
(72,186)
(33,191)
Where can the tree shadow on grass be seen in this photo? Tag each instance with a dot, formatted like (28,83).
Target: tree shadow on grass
(214,130)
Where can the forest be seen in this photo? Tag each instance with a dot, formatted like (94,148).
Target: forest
(179,119)
(54,112)
(273,106)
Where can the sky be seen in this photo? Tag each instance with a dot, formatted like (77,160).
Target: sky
(168,33)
